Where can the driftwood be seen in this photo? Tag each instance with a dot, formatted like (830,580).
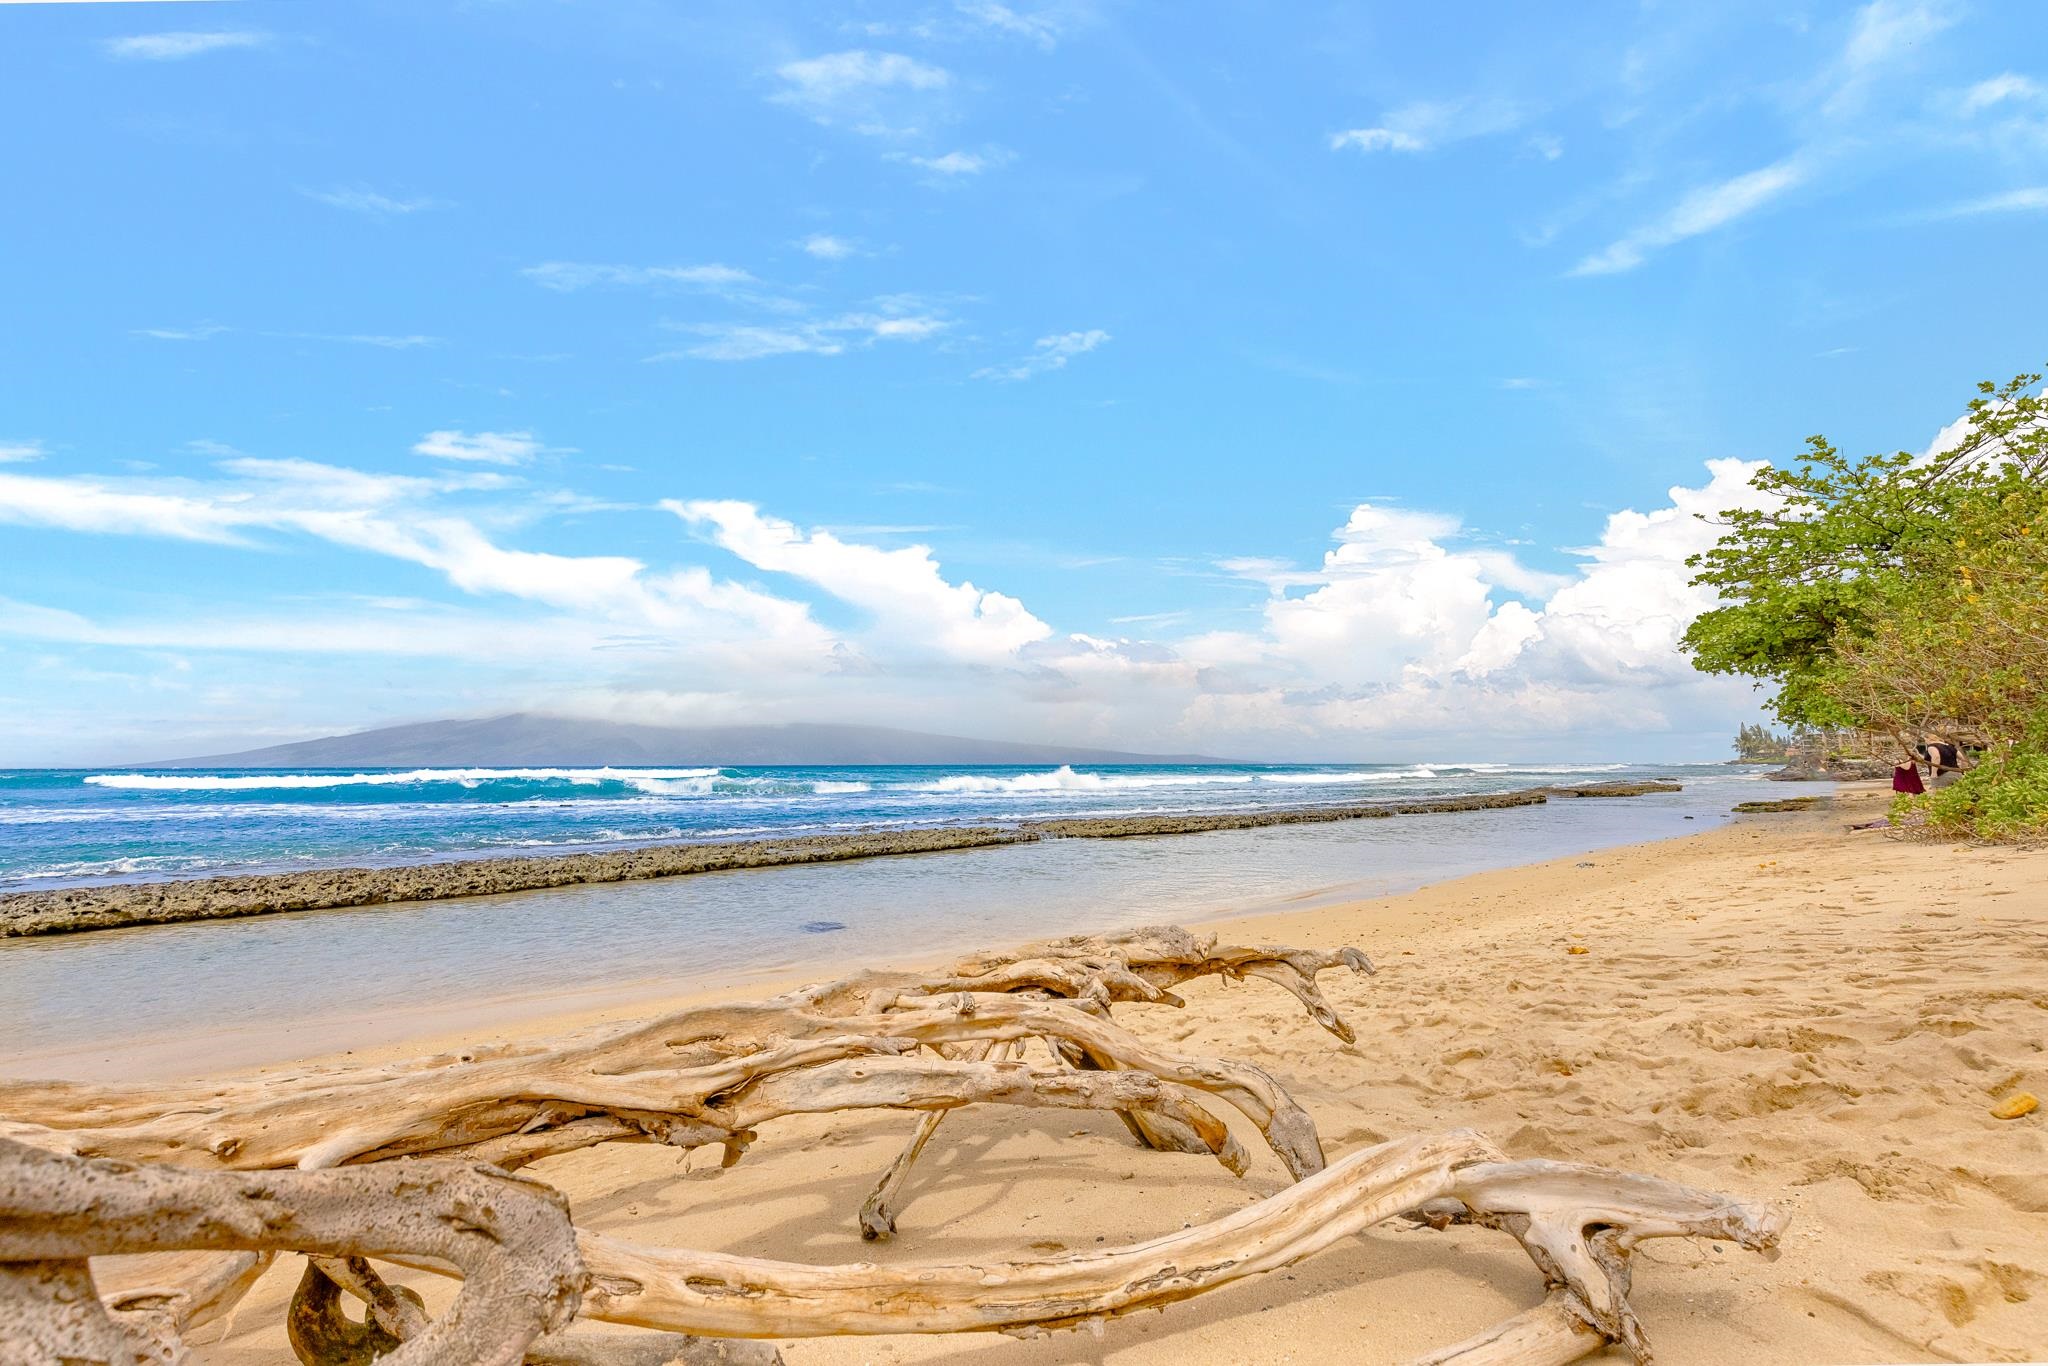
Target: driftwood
(408,1165)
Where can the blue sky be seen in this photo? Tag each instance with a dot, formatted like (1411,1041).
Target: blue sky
(1318,381)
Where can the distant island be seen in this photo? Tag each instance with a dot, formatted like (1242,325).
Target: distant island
(530,738)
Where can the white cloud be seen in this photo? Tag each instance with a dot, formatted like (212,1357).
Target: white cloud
(1427,124)
(1701,211)
(1998,90)
(171,47)
(21,452)
(385,341)
(361,199)
(953,165)
(802,337)
(1048,353)
(904,589)
(826,247)
(565,276)
(201,332)
(399,517)
(491,448)
(1884,34)
(1377,140)
(1042,27)
(875,93)
(1410,634)
(2031,199)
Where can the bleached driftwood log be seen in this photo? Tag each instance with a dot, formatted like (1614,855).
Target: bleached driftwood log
(509,1238)
(216,1180)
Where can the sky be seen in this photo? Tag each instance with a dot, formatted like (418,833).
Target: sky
(1310,382)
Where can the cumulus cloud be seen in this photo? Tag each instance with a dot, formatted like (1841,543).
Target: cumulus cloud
(172,47)
(491,448)
(1048,353)
(904,588)
(1411,632)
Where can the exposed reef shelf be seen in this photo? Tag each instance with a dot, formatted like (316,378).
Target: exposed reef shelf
(69,910)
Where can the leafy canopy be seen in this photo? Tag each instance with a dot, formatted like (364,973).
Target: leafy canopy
(1841,544)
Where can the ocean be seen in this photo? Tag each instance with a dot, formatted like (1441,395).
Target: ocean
(71,827)
(173,999)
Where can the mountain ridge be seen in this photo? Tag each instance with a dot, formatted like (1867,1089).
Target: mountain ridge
(535,738)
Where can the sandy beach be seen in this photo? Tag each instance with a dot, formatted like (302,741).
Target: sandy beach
(1780,1009)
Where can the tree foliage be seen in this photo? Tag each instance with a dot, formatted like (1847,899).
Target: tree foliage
(1840,538)
(1902,596)
(1755,743)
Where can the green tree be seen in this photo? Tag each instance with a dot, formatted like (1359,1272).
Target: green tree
(1841,538)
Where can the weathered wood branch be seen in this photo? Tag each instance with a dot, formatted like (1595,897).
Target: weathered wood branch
(510,1238)
(376,1179)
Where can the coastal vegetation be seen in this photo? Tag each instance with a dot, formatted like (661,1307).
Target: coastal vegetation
(1905,597)
(1756,743)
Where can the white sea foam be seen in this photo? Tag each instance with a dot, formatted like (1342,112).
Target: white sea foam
(1064,779)
(717,784)
(467,777)
(1379,776)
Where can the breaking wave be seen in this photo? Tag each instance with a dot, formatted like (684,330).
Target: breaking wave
(466,777)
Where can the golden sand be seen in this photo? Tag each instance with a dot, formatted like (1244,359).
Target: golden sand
(1778,1009)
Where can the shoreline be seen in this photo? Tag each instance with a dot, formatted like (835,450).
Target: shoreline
(73,910)
(525,1014)
(1778,1007)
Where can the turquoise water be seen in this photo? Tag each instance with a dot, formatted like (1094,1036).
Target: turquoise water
(65,827)
(169,999)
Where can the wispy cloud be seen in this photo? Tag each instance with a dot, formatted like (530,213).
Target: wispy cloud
(802,337)
(1042,27)
(172,47)
(197,332)
(1700,211)
(955,164)
(826,247)
(489,448)
(870,92)
(564,276)
(1884,34)
(1999,90)
(408,342)
(207,331)
(1427,124)
(360,199)
(21,452)
(1048,353)
(2032,199)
